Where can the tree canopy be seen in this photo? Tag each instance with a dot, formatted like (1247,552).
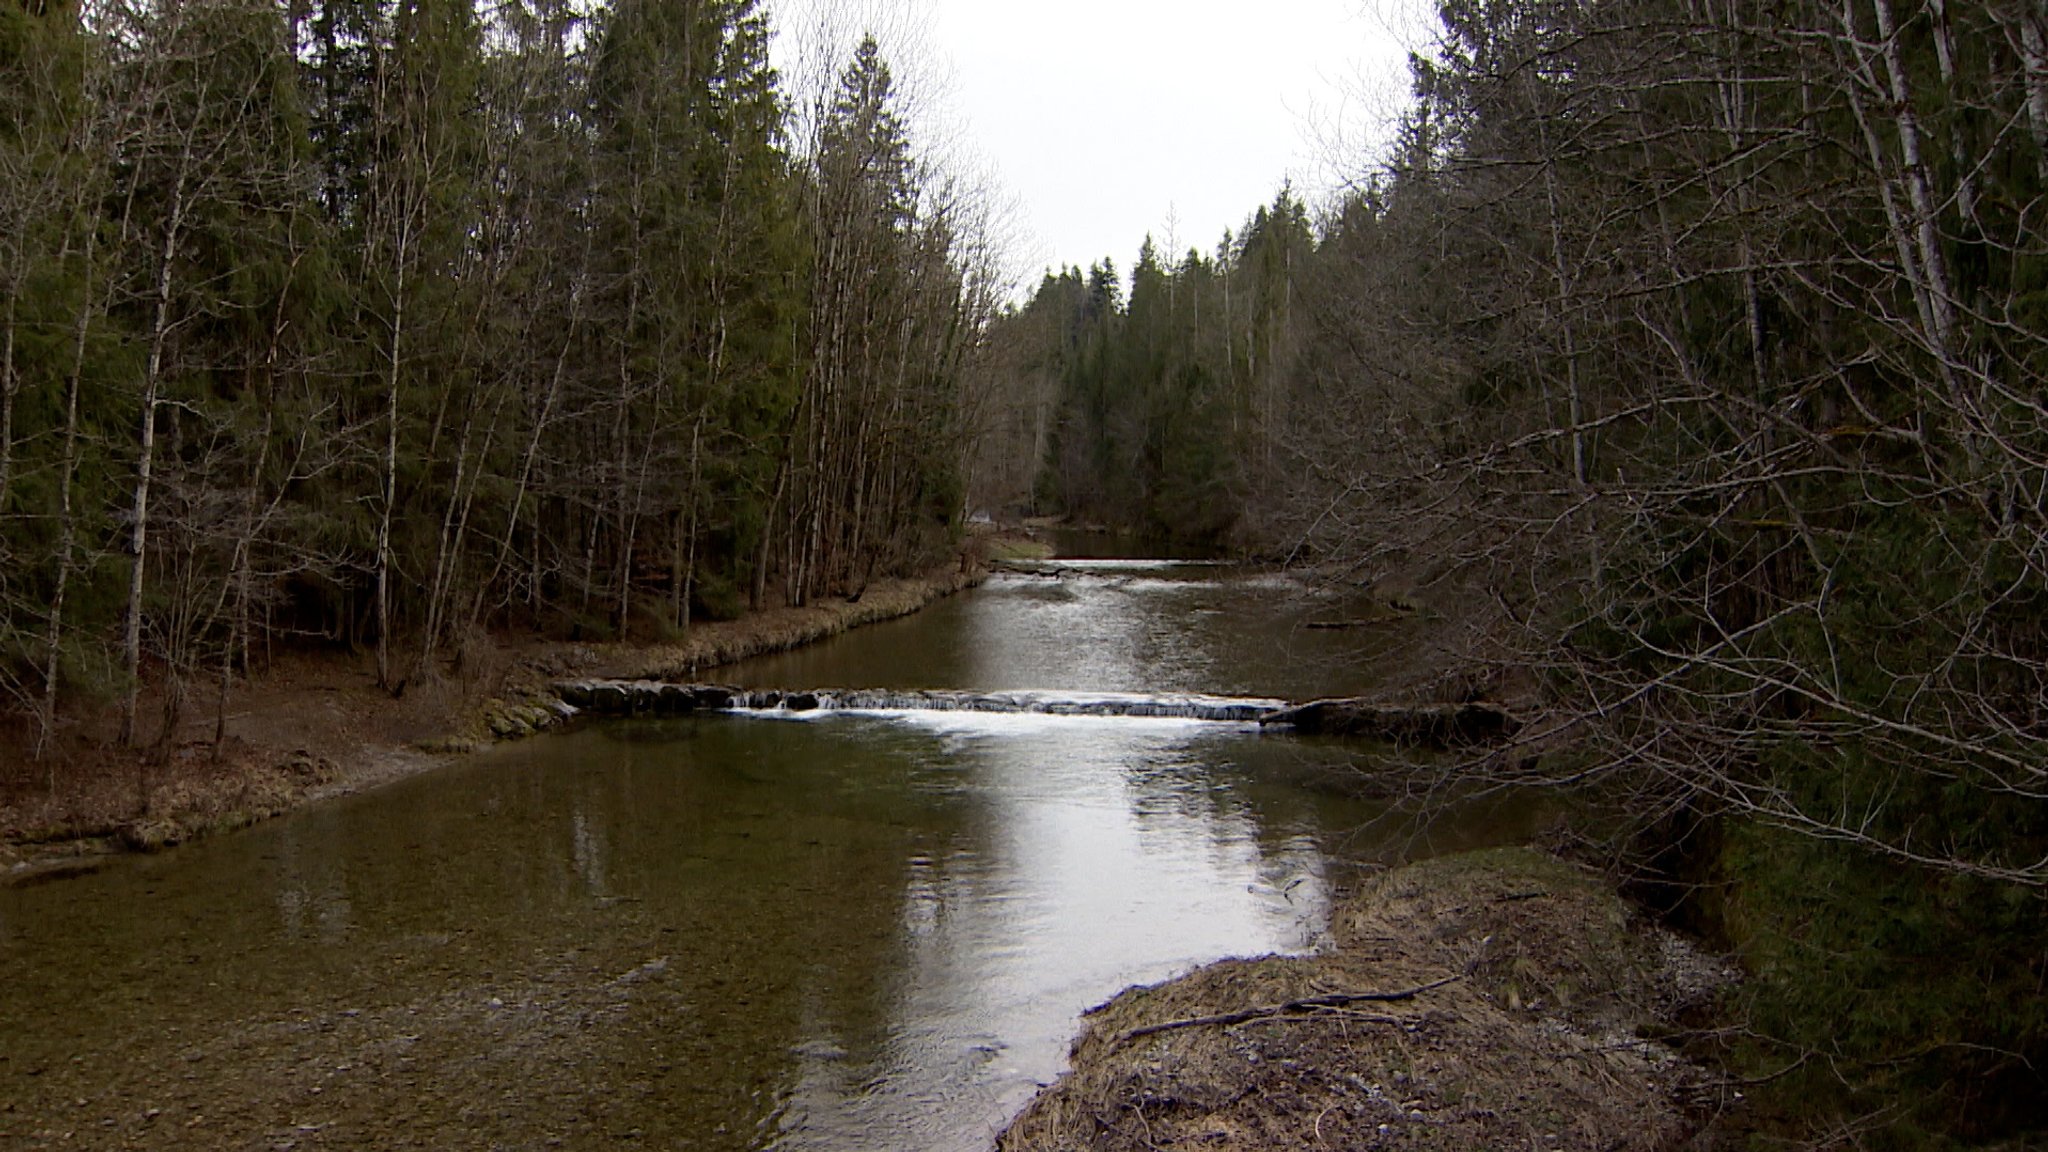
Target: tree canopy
(1686,362)
(376,322)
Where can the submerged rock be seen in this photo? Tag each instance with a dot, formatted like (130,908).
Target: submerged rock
(674,700)
(712,695)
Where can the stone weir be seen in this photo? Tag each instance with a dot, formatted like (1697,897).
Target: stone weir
(655,698)
(1429,725)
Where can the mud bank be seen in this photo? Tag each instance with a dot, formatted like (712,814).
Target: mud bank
(314,727)
(1501,999)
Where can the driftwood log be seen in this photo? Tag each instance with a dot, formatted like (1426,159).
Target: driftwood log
(1425,725)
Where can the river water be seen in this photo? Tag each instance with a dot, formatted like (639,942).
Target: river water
(842,931)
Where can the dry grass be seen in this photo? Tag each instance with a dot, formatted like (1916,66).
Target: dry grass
(131,800)
(1532,1044)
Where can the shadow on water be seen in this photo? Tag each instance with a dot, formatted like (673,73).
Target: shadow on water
(825,932)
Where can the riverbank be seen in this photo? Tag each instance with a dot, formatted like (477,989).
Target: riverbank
(315,726)
(1499,999)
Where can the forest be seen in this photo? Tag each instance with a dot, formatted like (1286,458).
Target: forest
(374,324)
(1685,360)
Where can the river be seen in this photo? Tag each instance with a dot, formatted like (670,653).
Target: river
(844,931)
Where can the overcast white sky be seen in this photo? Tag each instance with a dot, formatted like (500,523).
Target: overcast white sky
(1102,121)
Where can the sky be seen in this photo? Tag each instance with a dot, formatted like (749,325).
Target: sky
(1094,123)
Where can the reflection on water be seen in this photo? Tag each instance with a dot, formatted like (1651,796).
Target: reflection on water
(1095,862)
(852,932)
(1099,626)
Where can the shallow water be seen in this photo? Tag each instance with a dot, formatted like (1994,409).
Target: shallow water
(828,931)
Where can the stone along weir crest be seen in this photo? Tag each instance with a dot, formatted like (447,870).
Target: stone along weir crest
(1434,725)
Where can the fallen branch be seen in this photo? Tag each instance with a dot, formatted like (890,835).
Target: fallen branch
(1445,725)
(1291,1007)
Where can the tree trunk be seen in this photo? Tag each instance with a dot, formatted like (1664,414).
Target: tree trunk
(686,538)
(242,580)
(1919,188)
(759,596)
(542,419)
(455,528)
(1959,144)
(9,383)
(145,465)
(67,521)
(2032,42)
(390,461)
